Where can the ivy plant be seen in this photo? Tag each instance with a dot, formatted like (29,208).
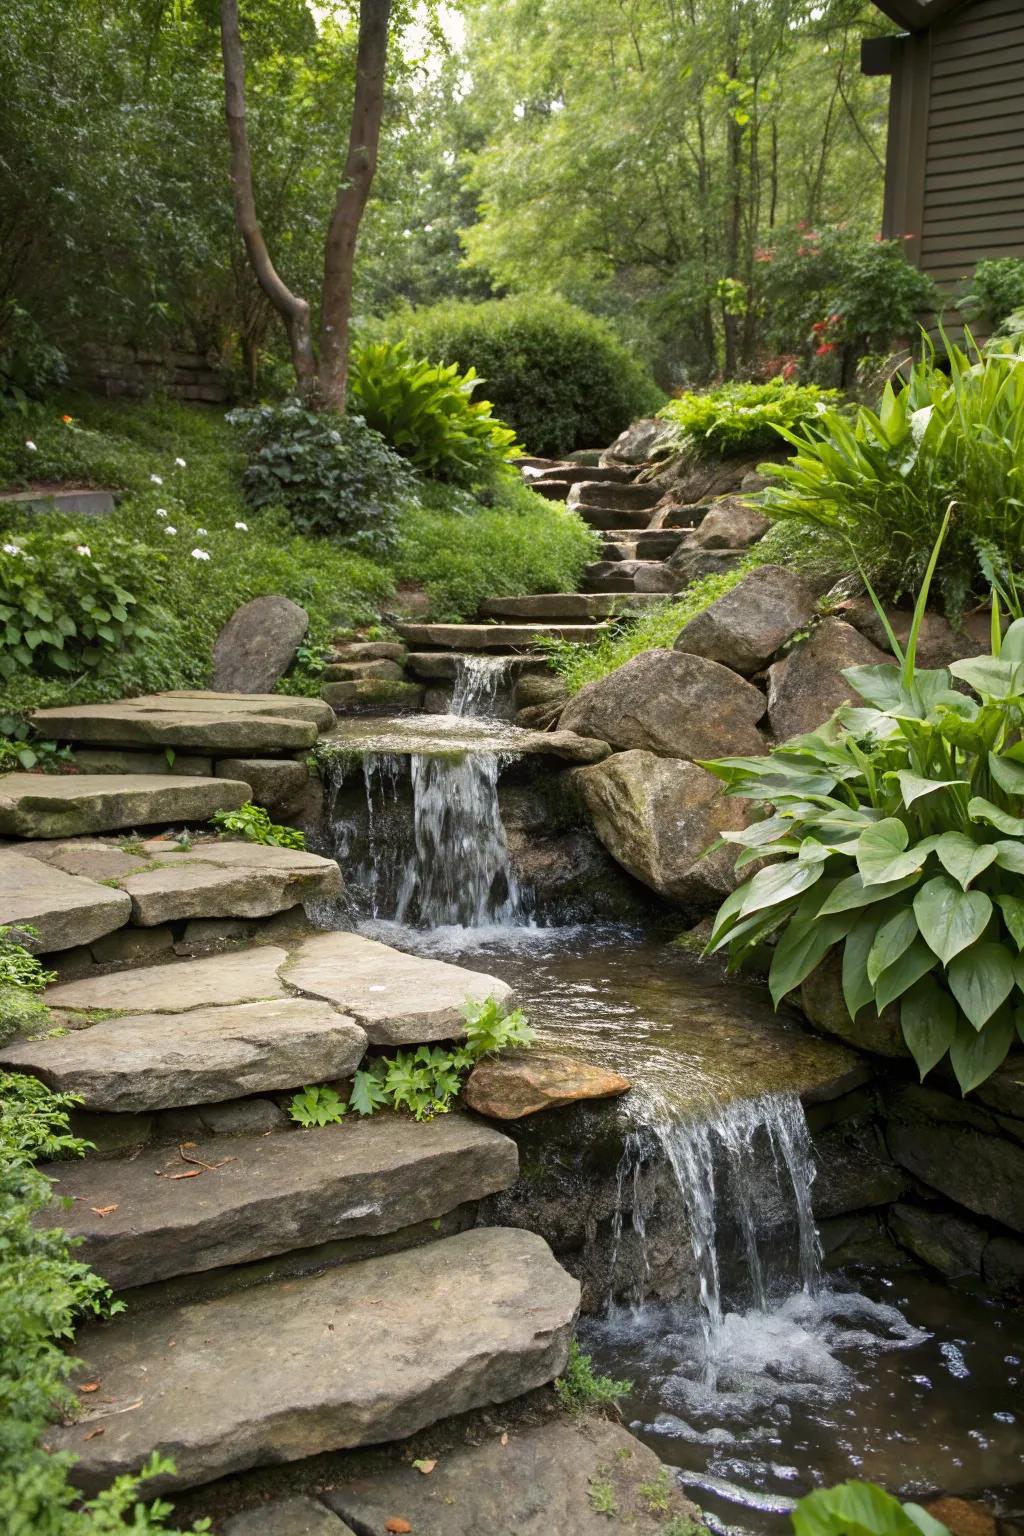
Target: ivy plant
(896,833)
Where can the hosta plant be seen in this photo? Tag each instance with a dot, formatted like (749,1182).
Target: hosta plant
(896,834)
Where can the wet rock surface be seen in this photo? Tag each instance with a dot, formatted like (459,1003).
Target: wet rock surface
(516,1084)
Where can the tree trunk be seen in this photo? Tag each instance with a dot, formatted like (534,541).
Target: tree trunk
(339,255)
(293,309)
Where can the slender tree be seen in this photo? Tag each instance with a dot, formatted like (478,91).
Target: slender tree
(321,372)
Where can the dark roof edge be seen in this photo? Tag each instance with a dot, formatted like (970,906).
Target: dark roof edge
(917,15)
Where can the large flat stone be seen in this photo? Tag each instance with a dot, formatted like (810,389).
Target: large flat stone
(223,878)
(290,706)
(276,1194)
(51,805)
(167,1060)
(243,976)
(536,1481)
(495,637)
(92,857)
(358,1355)
(414,734)
(287,1517)
(607,496)
(135,723)
(65,909)
(565,607)
(399,999)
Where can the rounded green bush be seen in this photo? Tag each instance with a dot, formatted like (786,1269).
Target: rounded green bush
(556,374)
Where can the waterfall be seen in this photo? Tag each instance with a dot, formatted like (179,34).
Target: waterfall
(431,850)
(480,682)
(731,1172)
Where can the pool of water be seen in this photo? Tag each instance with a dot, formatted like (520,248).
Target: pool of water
(904,1379)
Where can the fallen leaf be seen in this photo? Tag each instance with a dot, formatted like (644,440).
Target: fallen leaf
(89,1386)
(426,1467)
(192,1173)
(397,1526)
(103,1210)
(93,1433)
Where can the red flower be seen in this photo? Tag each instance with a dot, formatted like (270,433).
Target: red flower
(789,370)
(834,319)
(819,326)
(761,254)
(826,347)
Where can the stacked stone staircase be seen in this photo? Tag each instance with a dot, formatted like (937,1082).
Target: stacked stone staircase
(288,1291)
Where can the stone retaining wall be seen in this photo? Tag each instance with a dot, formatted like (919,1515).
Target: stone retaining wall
(119,371)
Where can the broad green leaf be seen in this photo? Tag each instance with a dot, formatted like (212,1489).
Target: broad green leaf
(778,883)
(880,853)
(913,787)
(879,685)
(1012,648)
(949,918)
(1012,908)
(368,1093)
(980,809)
(974,1055)
(760,833)
(991,676)
(1010,855)
(914,963)
(1007,774)
(802,947)
(962,857)
(928,1018)
(981,979)
(858,991)
(894,936)
(857,1509)
(852,892)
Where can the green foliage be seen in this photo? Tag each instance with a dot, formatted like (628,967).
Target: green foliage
(29,364)
(738,419)
(462,551)
(896,833)
(44,1289)
(22,748)
(996,291)
(601,1494)
(882,483)
(318,1104)
(253,824)
(557,375)
(21,1013)
(427,413)
(861,1509)
(427,1080)
(580,1390)
(333,474)
(18,966)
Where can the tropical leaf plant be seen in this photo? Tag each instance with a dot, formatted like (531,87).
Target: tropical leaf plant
(895,833)
(861,1509)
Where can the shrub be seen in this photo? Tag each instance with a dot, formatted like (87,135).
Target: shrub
(333,474)
(462,551)
(883,482)
(739,419)
(580,1389)
(427,413)
(555,374)
(896,833)
(996,291)
(29,364)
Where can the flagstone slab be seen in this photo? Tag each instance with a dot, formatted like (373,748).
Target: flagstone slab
(398,999)
(212,726)
(241,976)
(262,1195)
(357,1355)
(65,909)
(150,1061)
(292,706)
(222,878)
(40,805)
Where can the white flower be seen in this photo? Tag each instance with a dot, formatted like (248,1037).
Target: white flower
(30,445)
(156,479)
(161,512)
(84,551)
(170,529)
(200,554)
(242,527)
(12,549)
(200,532)
(180,463)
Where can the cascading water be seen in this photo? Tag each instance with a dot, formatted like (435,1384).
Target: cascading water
(481,688)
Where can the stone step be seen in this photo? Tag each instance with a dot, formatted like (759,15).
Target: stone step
(53,805)
(76,503)
(399,999)
(573,474)
(651,576)
(358,1355)
(425,735)
(215,877)
(494,637)
(645,543)
(215,722)
(446,666)
(265,1195)
(148,1061)
(372,695)
(64,909)
(569,607)
(614,497)
(605,519)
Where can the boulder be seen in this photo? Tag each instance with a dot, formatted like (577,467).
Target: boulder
(64,909)
(959,1150)
(278,784)
(730,524)
(657,817)
(807,686)
(939,1239)
(673,704)
(744,628)
(520,1083)
(938,643)
(641,442)
(690,563)
(821,998)
(257,645)
(225,878)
